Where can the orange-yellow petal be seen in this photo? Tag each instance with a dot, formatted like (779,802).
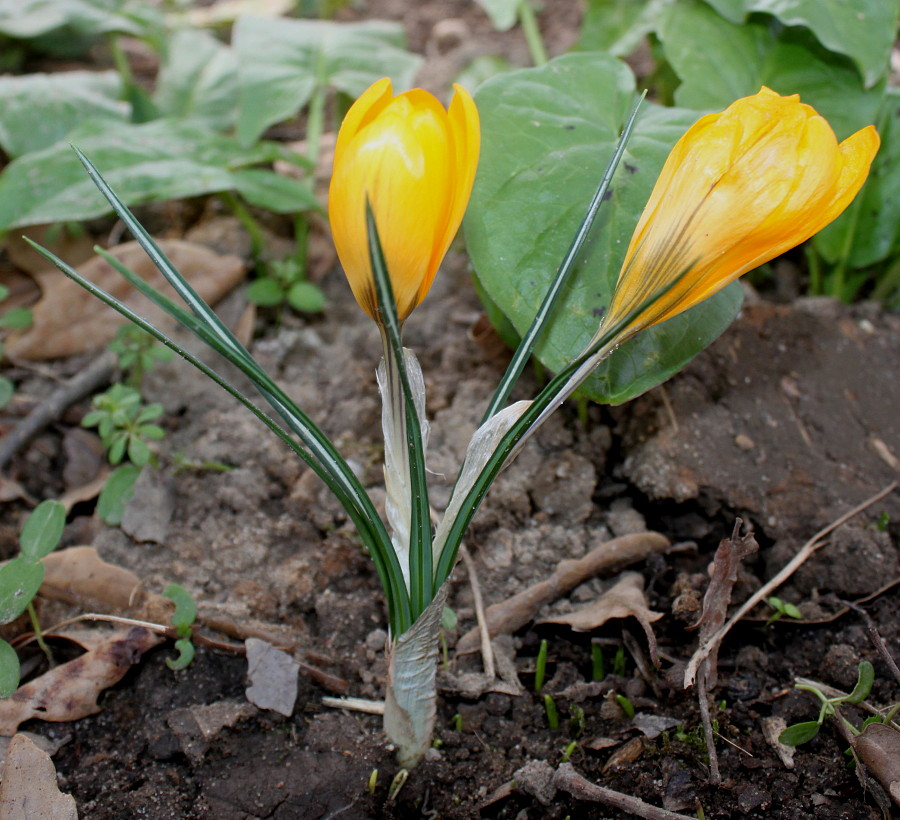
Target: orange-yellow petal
(738,189)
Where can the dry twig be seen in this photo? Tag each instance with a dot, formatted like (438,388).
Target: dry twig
(815,543)
(487,651)
(515,612)
(567,779)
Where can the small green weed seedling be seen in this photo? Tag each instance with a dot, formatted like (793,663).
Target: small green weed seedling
(285,283)
(626,705)
(619,662)
(124,424)
(576,720)
(830,707)
(782,609)
(598,670)
(568,752)
(183,620)
(20,580)
(551,712)
(138,353)
(540,669)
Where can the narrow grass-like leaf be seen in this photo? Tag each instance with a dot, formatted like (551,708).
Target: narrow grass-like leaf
(370,528)
(420,559)
(526,346)
(552,395)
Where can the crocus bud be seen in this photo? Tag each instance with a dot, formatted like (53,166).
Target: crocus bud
(739,188)
(415,163)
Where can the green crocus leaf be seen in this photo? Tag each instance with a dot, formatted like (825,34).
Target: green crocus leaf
(156,161)
(41,109)
(864,30)
(719,61)
(283,62)
(547,136)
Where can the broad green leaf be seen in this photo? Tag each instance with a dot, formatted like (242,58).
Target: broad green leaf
(503,13)
(547,136)
(138,452)
(718,62)
(17,318)
(618,26)
(185,608)
(282,63)
(41,109)
(865,678)
(274,192)
(117,493)
(799,733)
(159,160)
(864,30)
(869,230)
(42,530)
(9,669)
(26,19)
(20,580)
(306,297)
(186,652)
(265,292)
(198,79)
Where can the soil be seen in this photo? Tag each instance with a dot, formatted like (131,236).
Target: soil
(788,421)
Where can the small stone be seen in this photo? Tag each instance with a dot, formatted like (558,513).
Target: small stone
(273,677)
(744,442)
(376,639)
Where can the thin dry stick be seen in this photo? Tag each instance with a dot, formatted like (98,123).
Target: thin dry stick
(487,651)
(875,638)
(690,674)
(567,779)
(97,374)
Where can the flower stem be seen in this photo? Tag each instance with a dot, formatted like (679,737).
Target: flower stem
(39,635)
(528,21)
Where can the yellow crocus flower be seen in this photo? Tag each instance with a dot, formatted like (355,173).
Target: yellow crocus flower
(415,161)
(738,189)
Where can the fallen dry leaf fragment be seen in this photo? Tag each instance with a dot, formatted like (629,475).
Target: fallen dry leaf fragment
(70,691)
(273,677)
(878,747)
(68,320)
(515,612)
(625,599)
(29,789)
(196,726)
(78,575)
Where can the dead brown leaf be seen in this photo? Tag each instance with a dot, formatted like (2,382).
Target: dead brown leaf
(75,249)
(78,575)
(70,691)
(878,747)
(515,612)
(625,754)
(625,599)
(29,788)
(68,320)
